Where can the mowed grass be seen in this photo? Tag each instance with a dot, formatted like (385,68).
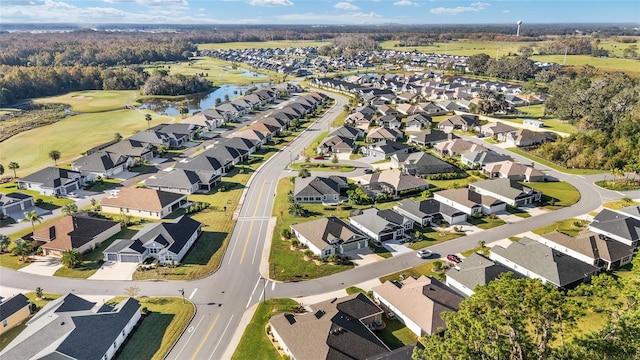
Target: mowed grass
(571,227)
(93,100)
(629,66)
(620,204)
(425,269)
(217,71)
(254,344)
(71,136)
(537,112)
(562,193)
(48,202)
(262,44)
(395,334)
(314,166)
(159,330)
(462,47)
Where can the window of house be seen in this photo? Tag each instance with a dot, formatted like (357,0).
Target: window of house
(5,323)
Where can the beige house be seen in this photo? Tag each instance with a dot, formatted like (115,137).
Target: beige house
(142,202)
(83,233)
(13,312)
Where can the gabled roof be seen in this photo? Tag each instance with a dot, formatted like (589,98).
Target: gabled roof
(175,233)
(378,221)
(347,132)
(427,208)
(484,156)
(508,188)
(142,199)
(632,211)
(477,270)
(129,147)
(458,146)
(556,267)
(174,178)
(150,137)
(389,147)
(421,163)
(100,161)
(507,168)
(384,133)
(468,198)
(396,179)
(318,186)
(72,231)
(51,177)
(328,231)
(460,120)
(497,128)
(422,300)
(431,135)
(593,245)
(238,143)
(12,305)
(200,163)
(617,224)
(7,199)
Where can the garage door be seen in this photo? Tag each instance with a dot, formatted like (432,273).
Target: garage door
(112,257)
(130,258)
(350,247)
(386,237)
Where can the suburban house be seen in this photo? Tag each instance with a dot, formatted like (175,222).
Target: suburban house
(13,311)
(418,303)
(417,122)
(359,120)
(456,147)
(205,121)
(533,123)
(632,211)
(459,122)
(429,211)
(137,150)
(209,166)
(508,169)
(71,327)
(333,329)
(348,132)
(498,129)
(429,137)
(151,137)
(381,225)
(241,144)
(538,261)
(79,232)
(421,164)
(336,145)
(329,236)
(318,189)
(167,242)
(182,181)
(383,133)
(525,137)
(479,158)
(476,270)
(507,190)
(392,182)
(52,181)
(470,202)
(103,164)
(591,248)
(617,227)
(15,202)
(385,148)
(142,202)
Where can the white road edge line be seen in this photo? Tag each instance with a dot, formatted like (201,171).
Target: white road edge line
(255,251)
(221,336)
(193,293)
(252,291)
(190,336)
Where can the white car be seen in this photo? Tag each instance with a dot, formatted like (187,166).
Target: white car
(424,253)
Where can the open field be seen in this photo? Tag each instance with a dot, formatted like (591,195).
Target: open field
(537,112)
(30,148)
(216,70)
(262,44)
(555,166)
(630,66)
(92,101)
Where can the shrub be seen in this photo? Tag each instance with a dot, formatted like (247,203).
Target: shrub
(308,253)
(286,233)
(295,243)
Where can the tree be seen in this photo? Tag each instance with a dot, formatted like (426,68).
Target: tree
(334,159)
(117,137)
(296,209)
(148,118)
(54,155)
(69,209)
(4,242)
(33,217)
(162,149)
(1,169)
(183,110)
(13,166)
(21,248)
(478,63)
(39,293)
(71,258)
(304,173)
(132,291)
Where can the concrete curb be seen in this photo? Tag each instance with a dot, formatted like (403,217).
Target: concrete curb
(195,311)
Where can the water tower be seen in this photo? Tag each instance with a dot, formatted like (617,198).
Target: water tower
(519,23)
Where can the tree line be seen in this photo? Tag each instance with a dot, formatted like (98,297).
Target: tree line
(510,68)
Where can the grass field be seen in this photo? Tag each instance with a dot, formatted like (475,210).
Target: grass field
(555,166)
(262,44)
(629,66)
(416,271)
(254,344)
(92,101)
(562,193)
(30,149)
(217,71)
(537,112)
(571,227)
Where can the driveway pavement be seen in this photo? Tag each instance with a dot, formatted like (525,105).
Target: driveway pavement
(113,270)
(42,265)
(126,175)
(396,248)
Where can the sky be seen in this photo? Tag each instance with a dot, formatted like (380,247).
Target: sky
(318,12)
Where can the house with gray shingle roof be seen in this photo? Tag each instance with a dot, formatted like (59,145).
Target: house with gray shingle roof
(507,190)
(52,181)
(477,159)
(421,164)
(336,145)
(632,211)
(71,327)
(103,164)
(475,270)
(384,148)
(329,236)
(348,132)
(318,189)
(417,122)
(525,137)
(13,311)
(538,261)
(138,150)
(392,181)
(617,227)
(15,202)
(183,181)
(430,137)
(462,122)
(383,133)
(381,225)
(512,170)
(470,202)
(429,211)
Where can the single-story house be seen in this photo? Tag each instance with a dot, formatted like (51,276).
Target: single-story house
(631,211)
(13,311)
(591,248)
(459,122)
(15,202)
(417,122)
(152,137)
(498,129)
(383,133)
(205,121)
(470,202)
(476,270)
(329,236)
(421,164)
(391,181)
(429,211)
(183,181)
(538,261)
(79,232)
(319,189)
(418,303)
(52,181)
(381,225)
(336,145)
(71,327)
(508,169)
(348,132)
(430,137)
(333,329)
(167,242)
(385,148)
(137,150)
(525,137)
(509,191)
(617,226)
(389,122)
(479,158)
(457,147)
(142,202)
(103,164)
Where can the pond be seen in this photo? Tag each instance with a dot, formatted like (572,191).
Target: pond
(196,102)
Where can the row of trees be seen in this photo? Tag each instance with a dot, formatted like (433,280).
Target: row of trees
(175,85)
(511,68)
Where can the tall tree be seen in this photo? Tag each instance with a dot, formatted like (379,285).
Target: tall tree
(54,155)
(71,258)
(4,242)
(117,137)
(1,169)
(21,248)
(148,118)
(69,209)
(33,217)
(14,166)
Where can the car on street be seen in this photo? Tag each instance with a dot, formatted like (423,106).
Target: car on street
(454,258)
(424,253)
(320,157)
(368,171)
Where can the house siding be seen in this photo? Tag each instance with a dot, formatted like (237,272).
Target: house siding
(410,324)
(454,284)
(15,319)
(123,335)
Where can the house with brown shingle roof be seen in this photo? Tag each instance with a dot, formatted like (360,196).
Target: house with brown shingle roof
(508,169)
(393,180)
(142,202)
(418,303)
(329,236)
(79,232)
(456,147)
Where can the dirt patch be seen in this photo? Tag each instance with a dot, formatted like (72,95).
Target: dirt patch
(82,97)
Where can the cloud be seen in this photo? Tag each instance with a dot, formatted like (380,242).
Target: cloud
(405,3)
(349,18)
(475,7)
(150,2)
(345,6)
(506,11)
(270,2)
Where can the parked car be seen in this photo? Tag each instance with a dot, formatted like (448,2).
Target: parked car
(319,157)
(424,253)
(368,171)
(454,258)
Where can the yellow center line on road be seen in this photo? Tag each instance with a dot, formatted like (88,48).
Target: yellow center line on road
(205,337)
(246,242)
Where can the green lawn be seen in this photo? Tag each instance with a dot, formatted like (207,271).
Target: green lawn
(159,330)
(567,226)
(537,112)
(556,194)
(93,101)
(255,344)
(311,150)
(416,271)
(517,212)
(87,130)
(619,204)
(217,71)
(395,334)
(313,166)
(485,222)
(432,236)
(47,202)
(554,166)
(629,66)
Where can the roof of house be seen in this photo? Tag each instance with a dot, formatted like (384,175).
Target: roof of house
(66,328)
(617,224)
(526,135)
(632,211)
(468,198)
(100,161)
(484,156)
(556,267)
(421,163)
(72,231)
(174,233)
(497,128)
(389,147)
(431,135)
(7,199)
(327,231)
(142,198)
(12,305)
(238,143)
(394,178)
(426,208)
(509,168)
(422,300)
(459,120)
(384,133)
(129,147)
(51,177)
(201,162)
(177,178)
(477,270)
(593,245)
(377,220)
(150,137)
(332,330)
(505,187)
(458,146)
(318,186)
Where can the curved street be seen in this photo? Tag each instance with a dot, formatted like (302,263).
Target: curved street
(223,298)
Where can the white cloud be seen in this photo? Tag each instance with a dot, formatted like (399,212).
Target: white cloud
(349,18)
(475,7)
(150,2)
(270,2)
(345,6)
(405,3)
(506,11)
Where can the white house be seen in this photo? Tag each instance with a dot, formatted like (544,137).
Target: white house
(329,236)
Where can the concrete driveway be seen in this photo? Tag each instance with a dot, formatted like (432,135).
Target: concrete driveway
(19,215)
(396,248)
(42,265)
(113,270)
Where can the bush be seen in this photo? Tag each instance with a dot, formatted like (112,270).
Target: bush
(308,253)
(295,243)
(286,233)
